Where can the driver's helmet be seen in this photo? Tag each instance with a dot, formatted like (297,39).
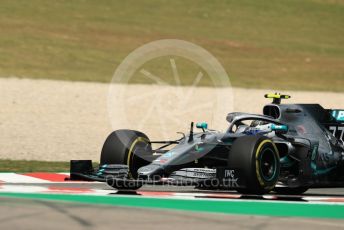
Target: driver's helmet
(257,123)
(255,127)
(258,127)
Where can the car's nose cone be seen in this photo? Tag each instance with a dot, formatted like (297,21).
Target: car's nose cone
(152,172)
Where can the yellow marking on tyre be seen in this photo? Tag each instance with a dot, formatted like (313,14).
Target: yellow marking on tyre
(261,182)
(139,139)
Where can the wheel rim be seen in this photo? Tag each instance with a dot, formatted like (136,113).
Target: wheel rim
(136,158)
(268,164)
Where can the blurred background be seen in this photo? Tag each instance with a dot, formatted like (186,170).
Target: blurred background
(57,58)
(293,44)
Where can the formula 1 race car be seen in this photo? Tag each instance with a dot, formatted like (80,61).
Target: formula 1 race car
(288,149)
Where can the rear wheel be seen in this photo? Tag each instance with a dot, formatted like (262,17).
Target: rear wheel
(127,147)
(257,158)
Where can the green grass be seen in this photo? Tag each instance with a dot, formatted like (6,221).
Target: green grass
(33,166)
(291,44)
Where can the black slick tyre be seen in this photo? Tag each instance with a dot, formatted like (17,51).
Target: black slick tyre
(258,160)
(127,147)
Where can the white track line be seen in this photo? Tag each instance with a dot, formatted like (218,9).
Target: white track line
(13,178)
(18,178)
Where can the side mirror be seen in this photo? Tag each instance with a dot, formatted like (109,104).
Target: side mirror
(280,129)
(202,125)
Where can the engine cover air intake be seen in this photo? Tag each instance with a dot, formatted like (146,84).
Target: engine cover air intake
(272,111)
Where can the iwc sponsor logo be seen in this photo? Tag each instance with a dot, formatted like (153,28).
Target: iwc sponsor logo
(230,179)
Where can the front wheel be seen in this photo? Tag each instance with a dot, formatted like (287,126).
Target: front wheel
(127,147)
(258,159)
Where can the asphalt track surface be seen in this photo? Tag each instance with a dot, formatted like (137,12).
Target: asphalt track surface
(41,214)
(19,213)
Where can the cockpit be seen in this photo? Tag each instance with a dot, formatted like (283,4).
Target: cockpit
(251,124)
